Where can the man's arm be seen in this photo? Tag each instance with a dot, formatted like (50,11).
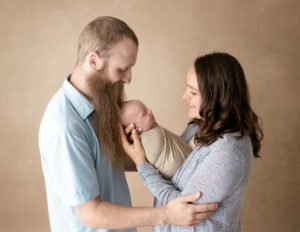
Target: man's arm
(102,214)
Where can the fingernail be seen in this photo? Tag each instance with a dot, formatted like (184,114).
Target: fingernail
(140,129)
(133,131)
(131,125)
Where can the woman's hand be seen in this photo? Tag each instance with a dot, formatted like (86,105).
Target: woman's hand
(134,149)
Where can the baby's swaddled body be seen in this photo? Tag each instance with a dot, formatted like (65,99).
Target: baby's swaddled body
(165,150)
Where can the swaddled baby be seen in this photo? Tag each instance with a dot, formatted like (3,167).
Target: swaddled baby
(165,150)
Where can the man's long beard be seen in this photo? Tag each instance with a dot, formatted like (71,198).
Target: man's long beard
(106,98)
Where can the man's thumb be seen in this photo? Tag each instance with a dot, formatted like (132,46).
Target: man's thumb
(191,197)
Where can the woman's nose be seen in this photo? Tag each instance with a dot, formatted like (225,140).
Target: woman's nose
(184,96)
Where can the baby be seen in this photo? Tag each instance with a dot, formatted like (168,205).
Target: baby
(165,150)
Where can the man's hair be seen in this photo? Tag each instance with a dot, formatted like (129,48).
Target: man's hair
(101,34)
(106,99)
(225,106)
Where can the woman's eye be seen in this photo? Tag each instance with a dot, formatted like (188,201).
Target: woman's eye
(193,93)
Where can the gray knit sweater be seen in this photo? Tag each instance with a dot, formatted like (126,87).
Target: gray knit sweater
(220,171)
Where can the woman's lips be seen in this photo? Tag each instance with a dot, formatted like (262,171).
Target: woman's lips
(191,106)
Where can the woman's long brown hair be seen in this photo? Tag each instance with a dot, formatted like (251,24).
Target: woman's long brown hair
(225,106)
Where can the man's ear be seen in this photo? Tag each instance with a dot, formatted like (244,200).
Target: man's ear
(96,61)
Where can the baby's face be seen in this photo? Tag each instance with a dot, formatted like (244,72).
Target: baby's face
(141,115)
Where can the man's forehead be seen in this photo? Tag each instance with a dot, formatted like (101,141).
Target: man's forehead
(124,51)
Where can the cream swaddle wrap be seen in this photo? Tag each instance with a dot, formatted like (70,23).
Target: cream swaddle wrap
(165,150)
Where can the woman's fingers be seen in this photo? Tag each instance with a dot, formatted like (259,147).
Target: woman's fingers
(136,138)
(126,142)
(133,148)
(123,137)
(129,128)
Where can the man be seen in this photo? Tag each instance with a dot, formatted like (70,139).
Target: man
(80,143)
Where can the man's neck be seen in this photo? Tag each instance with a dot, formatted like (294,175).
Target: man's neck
(79,80)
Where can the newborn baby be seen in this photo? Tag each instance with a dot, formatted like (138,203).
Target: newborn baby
(165,150)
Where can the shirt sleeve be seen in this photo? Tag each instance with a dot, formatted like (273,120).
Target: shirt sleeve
(216,177)
(69,169)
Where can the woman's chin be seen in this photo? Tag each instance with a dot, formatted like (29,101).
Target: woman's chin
(191,116)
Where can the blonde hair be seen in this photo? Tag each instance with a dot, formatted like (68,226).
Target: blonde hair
(101,34)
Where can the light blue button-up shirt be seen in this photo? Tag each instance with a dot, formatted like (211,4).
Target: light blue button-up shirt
(74,167)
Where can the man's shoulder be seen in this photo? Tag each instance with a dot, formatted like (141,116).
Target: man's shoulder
(59,115)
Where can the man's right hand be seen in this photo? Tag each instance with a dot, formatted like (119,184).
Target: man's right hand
(182,213)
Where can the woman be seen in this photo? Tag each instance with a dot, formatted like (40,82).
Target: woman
(226,136)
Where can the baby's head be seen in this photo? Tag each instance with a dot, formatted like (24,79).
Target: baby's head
(136,112)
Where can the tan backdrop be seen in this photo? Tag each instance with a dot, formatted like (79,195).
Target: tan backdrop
(38,49)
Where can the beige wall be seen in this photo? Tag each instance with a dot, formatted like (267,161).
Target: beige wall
(38,49)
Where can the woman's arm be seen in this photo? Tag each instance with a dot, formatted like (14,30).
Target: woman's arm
(216,177)
(162,189)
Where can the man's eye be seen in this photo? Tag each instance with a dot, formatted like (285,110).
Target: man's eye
(123,69)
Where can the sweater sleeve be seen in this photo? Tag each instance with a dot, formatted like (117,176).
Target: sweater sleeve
(162,189)
(216,177)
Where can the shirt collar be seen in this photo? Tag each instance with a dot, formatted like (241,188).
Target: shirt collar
(81,104)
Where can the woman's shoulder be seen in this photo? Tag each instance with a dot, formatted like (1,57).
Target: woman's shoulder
(189,131)
(234,144)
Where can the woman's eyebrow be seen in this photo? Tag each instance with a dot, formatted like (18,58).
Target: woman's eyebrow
(192,87)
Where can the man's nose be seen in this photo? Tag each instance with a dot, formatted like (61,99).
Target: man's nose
(127,77)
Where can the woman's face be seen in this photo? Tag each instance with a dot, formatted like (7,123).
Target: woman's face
(192,94)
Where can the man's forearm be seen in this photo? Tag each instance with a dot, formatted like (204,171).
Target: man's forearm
(102,214)
(106,215)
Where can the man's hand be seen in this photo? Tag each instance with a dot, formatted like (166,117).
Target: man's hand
(182,213)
